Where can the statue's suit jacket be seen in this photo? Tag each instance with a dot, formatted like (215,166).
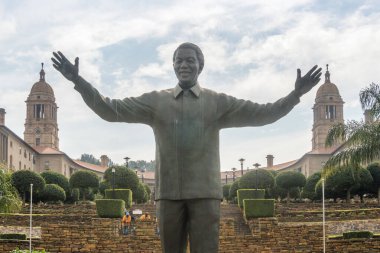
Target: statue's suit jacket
(186,125)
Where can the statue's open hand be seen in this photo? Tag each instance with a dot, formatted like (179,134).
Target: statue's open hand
(305,83)
(64,66)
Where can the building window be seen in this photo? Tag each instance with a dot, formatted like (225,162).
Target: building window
(11,144)
(47,165)
(11,161)
(39,111)
(24,166)
(19,165)
(25,156)
(38,141)
(330,112)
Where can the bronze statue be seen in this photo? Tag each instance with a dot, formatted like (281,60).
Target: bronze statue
(186,121)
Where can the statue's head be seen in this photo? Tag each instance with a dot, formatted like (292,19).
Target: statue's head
(188,62)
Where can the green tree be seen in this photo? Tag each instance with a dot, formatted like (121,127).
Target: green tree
(85,181)
(142,165)
(226,191)
(233,190)
(361,139)
(345,180)
(88,158)
(148,191)
(308,190)
(263,178)
(140,194)
(103,186)
(52,177)
(53,192)
(124,178)
(10,201)
(374,169)
(289,180)
(22,179)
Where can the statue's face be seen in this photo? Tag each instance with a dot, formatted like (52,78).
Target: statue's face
(186,67)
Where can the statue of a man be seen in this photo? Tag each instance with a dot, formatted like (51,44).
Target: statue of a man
(186,121)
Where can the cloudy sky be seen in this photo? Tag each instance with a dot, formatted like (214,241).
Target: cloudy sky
(252,49)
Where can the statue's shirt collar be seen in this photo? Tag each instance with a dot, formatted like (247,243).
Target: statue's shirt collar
(196,90)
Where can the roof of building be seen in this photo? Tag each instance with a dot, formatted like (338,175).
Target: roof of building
(90,166)
(42,86)
(47,151)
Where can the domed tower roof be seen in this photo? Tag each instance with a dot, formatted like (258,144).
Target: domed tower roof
(42,87)
(328,91)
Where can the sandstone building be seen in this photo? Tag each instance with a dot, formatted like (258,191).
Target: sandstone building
(39,149)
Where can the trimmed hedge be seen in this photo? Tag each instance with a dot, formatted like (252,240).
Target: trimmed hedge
(249,194)
(256,208)
(13,236)
(53,192)
(110,208)
(124,194)
(357,234)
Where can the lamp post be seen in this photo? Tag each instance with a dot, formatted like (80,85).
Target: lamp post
(226,178)
(233,174)
(126,160)
(241,160)
(142,175)
(113,182)
(257,165)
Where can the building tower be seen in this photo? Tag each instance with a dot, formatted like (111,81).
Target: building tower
(328,111)
(41,128)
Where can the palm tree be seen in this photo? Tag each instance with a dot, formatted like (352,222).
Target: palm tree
(362,139)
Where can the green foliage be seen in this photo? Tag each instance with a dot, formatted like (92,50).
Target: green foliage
(289,180)
(53,192)
(357,234)
(10,202)
(233,190)
(74,196)
(249,194)
(52,177)
(124,178)
(374,169)
(226,191)
(88,158)
(263,178)
(347,179)
(86,181)
(13,236)
(256,208)
(23,178)
(308,190)
(110,208)
(124,194)
(103,186)
(362,139)
(140,195)
(141,164)
(27,251)
(148,191)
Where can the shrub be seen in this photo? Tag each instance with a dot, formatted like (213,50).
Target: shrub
(263,178)
(124,194)
(309,190)
(13,236)
(290,179)
(23,178)
(233,190)
(357,234)
(53,192)
(256,208)
(249,194)
(85,181)
(52,177)
(140,194)
(226,191)
(110,208)
(124,178)
(27,251)
(10,201)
